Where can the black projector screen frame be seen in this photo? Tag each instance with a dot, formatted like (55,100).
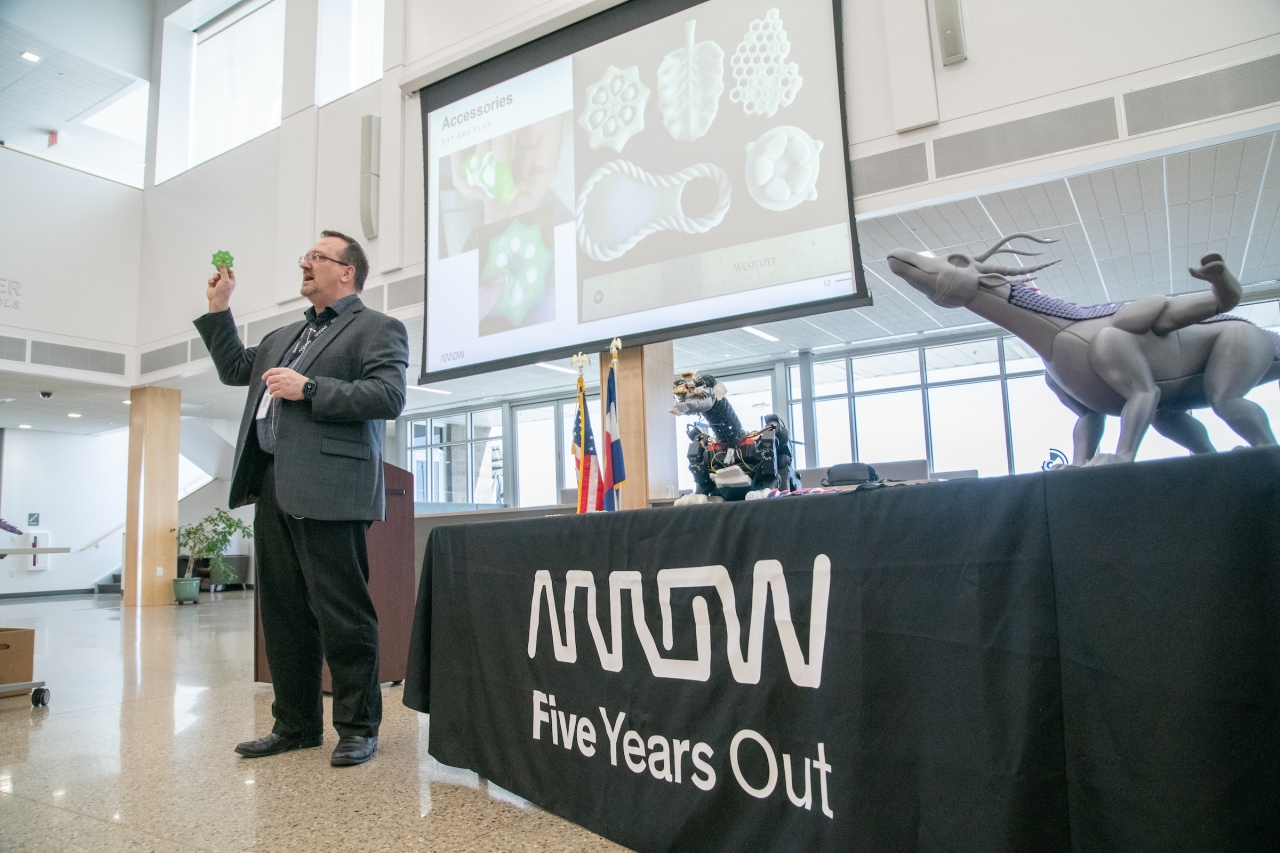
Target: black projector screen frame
(565,42)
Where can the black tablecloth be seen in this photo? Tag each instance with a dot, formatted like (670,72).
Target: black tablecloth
(1078,660)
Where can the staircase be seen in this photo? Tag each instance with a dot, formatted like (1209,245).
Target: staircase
(110,585)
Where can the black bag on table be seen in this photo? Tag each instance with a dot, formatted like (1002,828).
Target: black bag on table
(850,474)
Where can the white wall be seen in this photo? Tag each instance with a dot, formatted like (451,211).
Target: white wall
(72,241)
(338,165)
(78,485)
(227,203)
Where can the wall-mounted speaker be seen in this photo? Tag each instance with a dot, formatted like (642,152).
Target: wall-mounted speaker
(370,168)
(946,14)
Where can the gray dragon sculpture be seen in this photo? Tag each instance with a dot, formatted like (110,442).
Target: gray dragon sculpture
(1150,361)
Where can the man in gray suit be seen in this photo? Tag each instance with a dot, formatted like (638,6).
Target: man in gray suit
(309,454)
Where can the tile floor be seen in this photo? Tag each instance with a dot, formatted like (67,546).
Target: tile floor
(134,752)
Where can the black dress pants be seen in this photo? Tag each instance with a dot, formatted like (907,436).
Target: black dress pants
(313,596)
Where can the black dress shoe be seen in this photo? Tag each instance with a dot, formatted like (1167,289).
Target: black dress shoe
(353,749)
(274,744)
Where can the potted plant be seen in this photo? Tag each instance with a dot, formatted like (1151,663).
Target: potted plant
(206,540)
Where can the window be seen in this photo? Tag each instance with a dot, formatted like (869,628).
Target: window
(544,448)
(536,454)
(457,459)
(348,47)
(221,80)
(890,426)
(238,71)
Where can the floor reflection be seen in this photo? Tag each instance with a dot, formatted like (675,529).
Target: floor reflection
(134,751)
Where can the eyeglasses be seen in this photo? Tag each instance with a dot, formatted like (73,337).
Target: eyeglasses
(316,257)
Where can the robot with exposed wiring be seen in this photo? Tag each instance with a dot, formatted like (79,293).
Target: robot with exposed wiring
(729,463)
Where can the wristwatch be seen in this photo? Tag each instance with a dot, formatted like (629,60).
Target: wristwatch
(309,389)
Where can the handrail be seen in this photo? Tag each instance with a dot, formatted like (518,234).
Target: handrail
(111,532)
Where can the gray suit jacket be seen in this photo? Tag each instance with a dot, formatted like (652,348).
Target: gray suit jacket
(328,459)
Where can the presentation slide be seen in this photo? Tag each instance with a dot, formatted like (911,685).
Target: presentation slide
(687,171)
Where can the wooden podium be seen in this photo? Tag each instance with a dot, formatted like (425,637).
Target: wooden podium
(391,585)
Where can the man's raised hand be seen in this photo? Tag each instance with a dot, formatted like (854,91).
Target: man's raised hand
(219,290)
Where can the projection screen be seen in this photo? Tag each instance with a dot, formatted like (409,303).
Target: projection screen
(661,169)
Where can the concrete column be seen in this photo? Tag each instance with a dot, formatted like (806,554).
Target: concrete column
(151,516)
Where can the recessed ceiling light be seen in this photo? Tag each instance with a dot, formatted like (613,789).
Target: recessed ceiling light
(432,390)
(24,426)
(29,56)
(928,254)
(7,399)
(556,367)
(127,402)
(759,334)
(72,415)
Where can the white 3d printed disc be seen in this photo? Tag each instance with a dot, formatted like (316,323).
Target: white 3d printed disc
(765,80)
(621,204)
(782,168)
(615,108)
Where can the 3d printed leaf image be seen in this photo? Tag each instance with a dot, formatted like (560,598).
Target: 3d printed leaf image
(491,175)
(765,80)
(519,254)
(782,168)
(223,257)
(615,108)
(690,82)
(621,204)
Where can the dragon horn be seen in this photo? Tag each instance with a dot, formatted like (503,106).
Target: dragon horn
(991,251)
(1012,271)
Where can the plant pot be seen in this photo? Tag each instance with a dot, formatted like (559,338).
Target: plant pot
(186,590)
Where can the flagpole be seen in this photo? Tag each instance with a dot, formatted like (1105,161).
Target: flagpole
(580,446)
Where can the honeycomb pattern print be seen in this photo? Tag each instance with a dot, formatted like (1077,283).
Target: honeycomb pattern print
(765,80)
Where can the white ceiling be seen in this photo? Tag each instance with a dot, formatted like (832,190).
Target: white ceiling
(58,93)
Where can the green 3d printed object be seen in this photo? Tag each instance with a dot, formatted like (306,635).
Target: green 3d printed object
(223,257)
(520,255)
(492,175)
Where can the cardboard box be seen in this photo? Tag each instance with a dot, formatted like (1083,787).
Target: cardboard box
(17,657)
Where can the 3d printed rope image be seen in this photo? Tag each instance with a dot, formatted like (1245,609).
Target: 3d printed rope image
(782,168)
(519,254)
(621,204)
(765,80)
(615,108)
(690,82)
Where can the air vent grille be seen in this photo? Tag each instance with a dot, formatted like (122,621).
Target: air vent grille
(77,358)
(404,292)
(1229,90)
(159,359)
(1035,136)
(259,329)
(890,170)
(13,349)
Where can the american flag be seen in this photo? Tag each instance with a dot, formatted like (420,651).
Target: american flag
(615,472)
(590,495)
